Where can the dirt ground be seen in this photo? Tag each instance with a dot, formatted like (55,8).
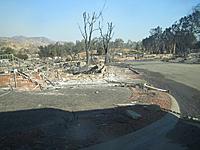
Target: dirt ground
(75,116)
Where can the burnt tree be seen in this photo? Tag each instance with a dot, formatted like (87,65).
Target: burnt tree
(87,32)
(106,37)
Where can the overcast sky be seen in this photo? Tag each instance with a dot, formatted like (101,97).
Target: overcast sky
(59,19)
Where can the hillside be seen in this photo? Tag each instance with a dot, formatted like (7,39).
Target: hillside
(22,42)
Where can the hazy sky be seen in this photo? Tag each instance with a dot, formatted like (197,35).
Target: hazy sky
(59,19)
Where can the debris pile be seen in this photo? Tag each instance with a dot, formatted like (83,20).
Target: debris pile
(89,114)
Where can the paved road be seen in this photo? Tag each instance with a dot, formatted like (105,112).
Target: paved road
(182,80)
(187,74)
(187,97)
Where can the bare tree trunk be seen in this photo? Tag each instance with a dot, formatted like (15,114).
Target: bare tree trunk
(174,48)
(170,49)
(107,56)
(88,57)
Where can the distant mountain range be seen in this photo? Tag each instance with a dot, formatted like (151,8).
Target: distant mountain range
(22,42)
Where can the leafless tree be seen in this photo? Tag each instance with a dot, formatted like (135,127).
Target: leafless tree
(87,32)
(106,37)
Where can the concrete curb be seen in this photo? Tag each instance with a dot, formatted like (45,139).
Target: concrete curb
(174,105)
